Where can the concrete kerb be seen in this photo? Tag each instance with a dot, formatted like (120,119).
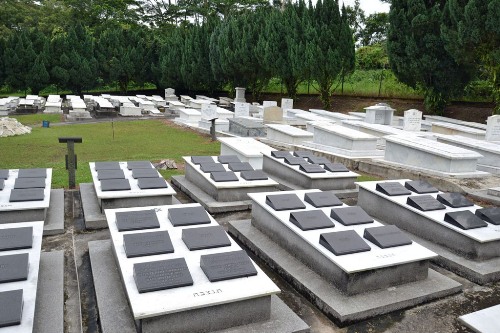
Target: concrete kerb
(54,220)
(92,215)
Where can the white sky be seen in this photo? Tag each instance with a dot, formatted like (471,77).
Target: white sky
(369,6)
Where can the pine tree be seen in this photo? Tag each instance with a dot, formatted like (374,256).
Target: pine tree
(170,60)
(39,77)
(2,62)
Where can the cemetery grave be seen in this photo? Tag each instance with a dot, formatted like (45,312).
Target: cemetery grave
(247,149)
(287,134)
(454,129)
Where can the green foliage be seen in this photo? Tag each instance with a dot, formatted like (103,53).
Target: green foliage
(170,58)
(372,57)
(375,29)
(39,77)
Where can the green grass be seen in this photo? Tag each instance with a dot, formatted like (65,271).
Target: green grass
(367,178)
(151,140)
(36,119)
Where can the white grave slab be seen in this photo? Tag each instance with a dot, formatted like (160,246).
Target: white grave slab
(442,119)
(272,114)
(224,114)
(188,117)
(269,103)
(286,103)
(287,134)
(197,103)
(247,149)
(129,109)
(336,116)
(483,321)
(493,128)
(209,111)
(412,120)
(379,114)
(454,129)
(241,109)
(186,99)
(221,125)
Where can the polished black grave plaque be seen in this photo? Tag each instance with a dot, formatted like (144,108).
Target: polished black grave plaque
(212,167)
(137,220)
(107,166)
(318,160)
(110,174)
(335,167)
(225,159)
(284,202)
(131,165)
(240,166)
(22,195)
(151,183)
(202,159)
(254,175)
(205,238)
(424,203)
(115,185)
(227,265)
(343,242)
(322,199)
(14,267)
(280,154)
(386,236)
(224,176)
(311,219)
(392,189)
(2,184)
(147,244)
(303,153)
(292,160)
(350,215)
(4,174)
(161,275)
(188,216)
(11,307)
(420,187)
(21,183)
(16,238)
(464,219)
(311,168)
(491,215)
(32,173)
(145,173)
(454,200)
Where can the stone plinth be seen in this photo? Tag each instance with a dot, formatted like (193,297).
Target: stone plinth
(287,134)
(454,129)
(246,127)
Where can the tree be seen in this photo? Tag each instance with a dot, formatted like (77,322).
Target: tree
(170,60)
(375,29)
(356,19)
(347,52)
(39,77)
(19,58)
(2,62)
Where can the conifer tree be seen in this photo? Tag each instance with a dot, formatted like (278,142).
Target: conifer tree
(170,60)
(39,77)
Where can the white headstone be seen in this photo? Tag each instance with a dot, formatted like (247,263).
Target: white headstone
(208,111)
(269,103)
(286,103)
(241,109)
(412,120)
(493,128)
(240,95)
(273,114)
(169,92)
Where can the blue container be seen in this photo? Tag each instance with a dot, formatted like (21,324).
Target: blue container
(45,123)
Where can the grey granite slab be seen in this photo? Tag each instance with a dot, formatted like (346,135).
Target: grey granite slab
(22,195)
(464,219)
(147,244)
(107,166)
(151,183)
(318,160)
(280,154)
(14,267)
(32,173)
(115,185)
(303,153)
(254,175)
(420,187)
(227,265)
(322,199)
(223,176)
(386,236)
(424,203)
(490,215)
(4,174)
(311,168)
(145,173)
(139,165)
(2,184)
(343,242)
(202,159)
(205,238)
(284,202)
(16,238)
(240,166)
(225,159)
(137,220)
(162,274)
(350,215)
(311,220)
(212,167)
(335,167)
(23,183)
(110,174)
(454,200)
(11,307)
(392,188)
(188,216)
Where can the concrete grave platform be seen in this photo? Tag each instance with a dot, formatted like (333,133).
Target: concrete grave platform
(483,321)
(247,149)
(54,220)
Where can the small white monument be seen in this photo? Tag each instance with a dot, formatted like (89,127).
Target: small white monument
(379,114)
(266,104)
(286,103)
(241,109)
(240,95)
(493,128)
(209,111)
(412,120)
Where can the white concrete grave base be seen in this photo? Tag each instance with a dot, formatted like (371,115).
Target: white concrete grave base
(247,149)
(483,321)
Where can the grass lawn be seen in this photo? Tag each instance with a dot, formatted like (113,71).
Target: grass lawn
(151,140)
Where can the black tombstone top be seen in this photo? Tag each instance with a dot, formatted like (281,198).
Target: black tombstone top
(107,166)
(137,220)
(392,189)
(224,176)
(343,242)
(145,173)
(240,166)
(491,215)
(131,165)
(115,185)
(14,267)
(110,174)
(32,173)
(212,167)
(311,168)
(254,175)
(227,265)
(322,199)
(11,307)
(350,215)
(292,160)
(4,174)
(464,219)
(147,244)
(284,202)
(420,187)
(188,216)
(424,203)
(202,159)
(311,219)
(151,183)
(335,167)
(205,238)
(454,200)
(2,184)
(280,154)
(386,236)
(225,159)
(16,238)
(161,275)
(31,194)
(318,160)
(21,183)
(303,153)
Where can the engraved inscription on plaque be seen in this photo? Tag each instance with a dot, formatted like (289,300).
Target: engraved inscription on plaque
(424,203)
(162,274)
(11,307)
(284,202)
(225,159)
(420,187)
(137,220)
(147,244)
(227,265)
(16,238)
(335,167)
(464,219)
(392,189)
(454,200)
(350,215)
(311,219)
(491,215)
(151,183)
(322,199)
(343,242)
(280,154)
(386,236)
(14,267)
(188,216)
(205,238)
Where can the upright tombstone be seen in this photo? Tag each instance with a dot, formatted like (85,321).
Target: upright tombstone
(412,120)
(169,92)
(209,111)
(493,128)
(286,103)
(379,114)
(266,104)
(273,114)
(240,95)
(241,109)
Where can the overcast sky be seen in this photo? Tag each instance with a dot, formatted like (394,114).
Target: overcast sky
(369,6)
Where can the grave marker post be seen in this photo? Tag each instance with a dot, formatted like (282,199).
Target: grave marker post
(71,158)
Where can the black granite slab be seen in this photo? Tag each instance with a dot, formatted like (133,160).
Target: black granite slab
(303,153)
(350,215)
(188,216)
(343,242)
(147,244)
(32,173)
(491,215)
(22,195)
(137,220)
(2,184)
(14,267)
(424,203)
(392,189)
(22,183)
(335,167)
(240,166)
(115,185)
(16,238)
(225,159)
(254,175)
(151,183)
(11,307)
(280,154)
(224,176)
(311,168)
(212,167)
(322,199)
(420,187)
(454,200)
(202,159)
(292,160)
(284,202)
(464,219)
(131,165)
(227,265)
(4,174)
(161,275)
(311,219)
(107,166)
(205,238)
(110,174)
(386,236)
(318,160)
(145,173)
